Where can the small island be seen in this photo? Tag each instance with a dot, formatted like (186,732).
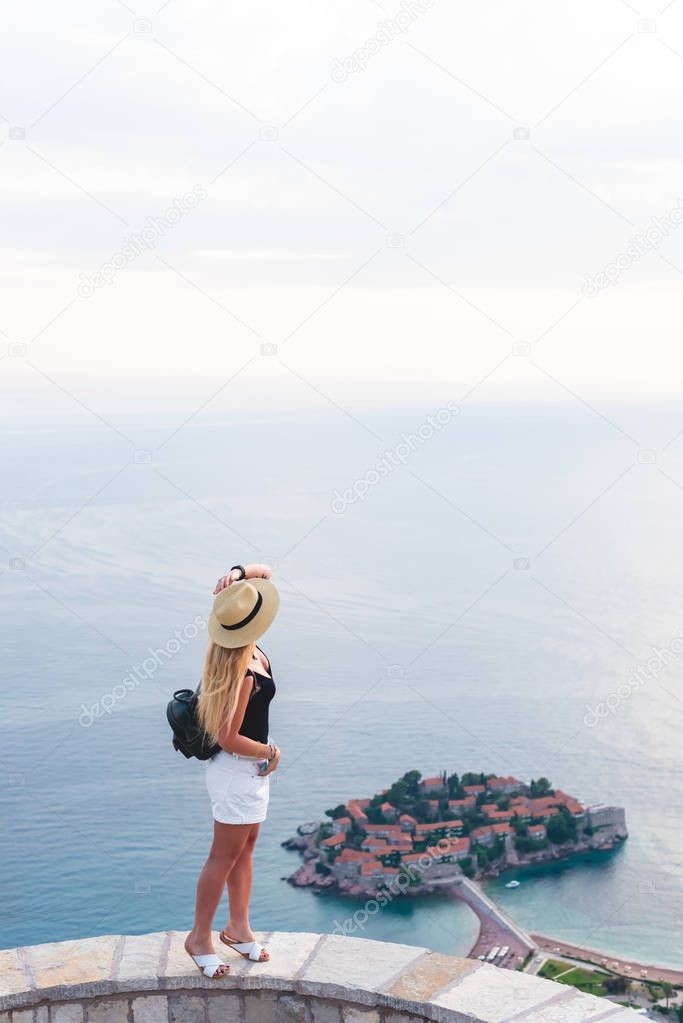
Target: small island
(422,834)
(448,833)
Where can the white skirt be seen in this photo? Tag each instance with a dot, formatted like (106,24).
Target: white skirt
(238,793)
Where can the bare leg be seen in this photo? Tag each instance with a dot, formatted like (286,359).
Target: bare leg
(239,890)
(228,843)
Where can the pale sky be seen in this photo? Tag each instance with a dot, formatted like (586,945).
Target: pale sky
(400,197)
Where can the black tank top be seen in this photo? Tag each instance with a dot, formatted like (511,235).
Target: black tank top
(255,724)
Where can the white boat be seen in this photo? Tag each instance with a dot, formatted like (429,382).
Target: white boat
(512,884)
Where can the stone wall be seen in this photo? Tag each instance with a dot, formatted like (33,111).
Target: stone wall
(311,978)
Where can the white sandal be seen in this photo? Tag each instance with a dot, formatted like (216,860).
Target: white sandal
(209,965)
(247,949)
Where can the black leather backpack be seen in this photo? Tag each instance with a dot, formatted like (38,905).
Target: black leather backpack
(189,738)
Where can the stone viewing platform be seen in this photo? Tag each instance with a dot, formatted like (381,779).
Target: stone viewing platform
(311,978)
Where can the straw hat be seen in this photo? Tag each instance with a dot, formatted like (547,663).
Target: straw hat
(242,612)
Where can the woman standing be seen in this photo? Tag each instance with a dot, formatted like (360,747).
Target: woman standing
(236,689)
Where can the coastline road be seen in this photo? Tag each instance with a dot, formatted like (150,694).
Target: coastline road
(626,967)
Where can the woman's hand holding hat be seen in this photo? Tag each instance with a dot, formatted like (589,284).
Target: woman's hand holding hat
(250,572)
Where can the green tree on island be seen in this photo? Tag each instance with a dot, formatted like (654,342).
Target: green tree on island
(354,836)
(398,794)
(422,810)
(539,787)
(482,856)
(562,827)
(467,867)
(411,778)
(471,778)
(455,789)
(524,844)
(338,811)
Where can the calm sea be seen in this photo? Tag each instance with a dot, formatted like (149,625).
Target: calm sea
(463,615)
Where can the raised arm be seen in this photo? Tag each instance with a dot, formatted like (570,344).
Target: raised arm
(250,572)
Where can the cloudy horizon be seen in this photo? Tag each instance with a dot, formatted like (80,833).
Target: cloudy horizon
(382,204)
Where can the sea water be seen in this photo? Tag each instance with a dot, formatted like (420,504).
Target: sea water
(476,607)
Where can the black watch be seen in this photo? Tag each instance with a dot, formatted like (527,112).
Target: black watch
(241,569)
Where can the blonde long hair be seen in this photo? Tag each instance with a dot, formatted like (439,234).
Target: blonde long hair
(222,677)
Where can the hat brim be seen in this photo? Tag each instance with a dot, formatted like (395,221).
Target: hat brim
(253,630)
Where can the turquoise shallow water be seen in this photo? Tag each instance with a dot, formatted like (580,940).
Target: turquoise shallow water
(408,637)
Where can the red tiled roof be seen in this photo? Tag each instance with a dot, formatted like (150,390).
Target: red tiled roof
(353,855)
(407,817)
(432,781)
(333,840)
(354,808)
(502,829)
(449,845)
(494,783)
(474,789)
(375,867)
(343,820)
(421,829)
(370,867)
